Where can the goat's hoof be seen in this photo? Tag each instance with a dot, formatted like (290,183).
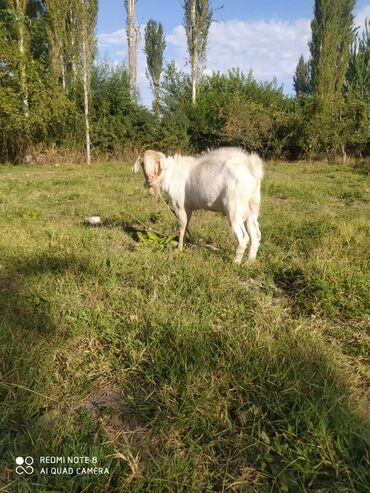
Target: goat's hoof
(237,261)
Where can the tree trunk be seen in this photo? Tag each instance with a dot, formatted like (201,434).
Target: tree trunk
(194,61)
(23,64)
(62,68)
(86,68)
(133,34)
(155,97)
(72,54)
(193,80)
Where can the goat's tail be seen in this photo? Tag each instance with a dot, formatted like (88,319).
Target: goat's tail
(255,166)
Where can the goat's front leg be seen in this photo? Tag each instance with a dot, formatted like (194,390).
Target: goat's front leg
(184,219)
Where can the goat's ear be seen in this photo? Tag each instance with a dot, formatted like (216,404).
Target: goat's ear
(162,161)
(136,167)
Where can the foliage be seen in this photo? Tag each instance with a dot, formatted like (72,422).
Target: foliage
(356,111)
(116,120)
(38,102)
(358,72)
(332,35)
(32,108)
(157,242)
(302,78)
(231,109)
(356,115)
(174,107)
(155,44)
(46,100)
(197,21)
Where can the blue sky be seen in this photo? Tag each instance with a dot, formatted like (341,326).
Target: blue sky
(169,12)
(265,36)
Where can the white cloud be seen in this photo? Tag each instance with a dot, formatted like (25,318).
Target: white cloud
(363,14)
(113,46)
(114,38)
(268,48)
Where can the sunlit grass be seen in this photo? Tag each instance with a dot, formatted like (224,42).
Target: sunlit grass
(184,372)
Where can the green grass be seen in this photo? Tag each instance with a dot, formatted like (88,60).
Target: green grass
(184,372)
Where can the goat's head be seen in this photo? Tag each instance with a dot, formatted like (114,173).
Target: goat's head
(152,163)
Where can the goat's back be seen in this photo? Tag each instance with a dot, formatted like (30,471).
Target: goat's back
(233,158)
(216,176)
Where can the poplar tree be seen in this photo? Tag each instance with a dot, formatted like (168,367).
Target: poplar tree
(133,37)
(155,45)
(30,104)
(73,45)
(88,13)
(301,79)
(197,20)
(56,31)
(18,9)
(65,26)
(358,74)
(332,35)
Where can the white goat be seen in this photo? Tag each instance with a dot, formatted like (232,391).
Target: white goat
(226,180)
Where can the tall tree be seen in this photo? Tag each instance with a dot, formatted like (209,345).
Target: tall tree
(358,74)
(73,45)
(133,37)
(197,20)
(88,12)
(155,44)
(31,106)
(301,79)
(332,35)
(19,11)
(57,35)
(65,26)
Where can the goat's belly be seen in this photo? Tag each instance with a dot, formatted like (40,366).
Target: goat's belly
(209,195)
(216,205)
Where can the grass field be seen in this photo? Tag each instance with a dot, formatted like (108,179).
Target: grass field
(181,371)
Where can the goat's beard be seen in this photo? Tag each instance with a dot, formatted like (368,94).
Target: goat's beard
(153,189)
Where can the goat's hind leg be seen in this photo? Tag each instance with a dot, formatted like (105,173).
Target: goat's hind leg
(254,233)
(254,210)
(242,237)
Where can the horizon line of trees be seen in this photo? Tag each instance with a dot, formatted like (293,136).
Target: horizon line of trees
(52,95)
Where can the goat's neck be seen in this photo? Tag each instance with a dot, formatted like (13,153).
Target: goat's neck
(165,179)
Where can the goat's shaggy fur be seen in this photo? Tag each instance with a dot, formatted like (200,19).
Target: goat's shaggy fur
(226,180)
